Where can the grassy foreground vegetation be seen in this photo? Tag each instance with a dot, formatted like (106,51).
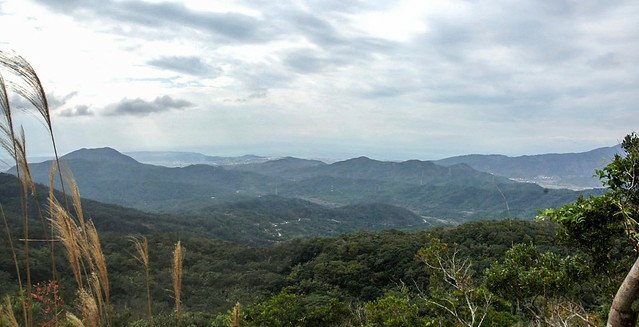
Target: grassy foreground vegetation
(59,270)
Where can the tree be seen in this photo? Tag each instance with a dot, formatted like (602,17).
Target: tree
(543,283)
(452,286)
(594,220)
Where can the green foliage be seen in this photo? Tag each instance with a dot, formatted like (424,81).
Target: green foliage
(529,278)
(324,280)
(526,272)
(286,309)
(395,311)
(600,219)
(595,227)
(188,319)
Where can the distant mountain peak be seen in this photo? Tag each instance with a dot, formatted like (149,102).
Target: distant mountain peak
(98,154)
(362,159)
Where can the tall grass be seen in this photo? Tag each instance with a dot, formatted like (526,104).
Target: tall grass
(6,311)
(235,315)
(82,243)
(178,257)
(142,250)
(77,235)
(84,252)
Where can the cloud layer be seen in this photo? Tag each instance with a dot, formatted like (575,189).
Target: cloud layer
(431,77)
(79,110)
(188,65)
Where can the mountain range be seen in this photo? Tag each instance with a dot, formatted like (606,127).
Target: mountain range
(435,193)
(554,170)
(259,221)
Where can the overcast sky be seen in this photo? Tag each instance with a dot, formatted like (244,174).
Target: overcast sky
(419,79)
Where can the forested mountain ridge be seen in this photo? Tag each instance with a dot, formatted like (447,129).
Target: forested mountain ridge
(572,170)
(452,194)
(109,176)
(259,221)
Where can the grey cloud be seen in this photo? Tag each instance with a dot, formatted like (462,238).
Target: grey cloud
(383,92)
(604,61)
(261,76)
(529,57)
(139,107)
(53,100)
(59,101)
(19,102)
(304,61)
(226,26)
(334,47)
(256,95)
(79,110)
(319,23)
(188,65)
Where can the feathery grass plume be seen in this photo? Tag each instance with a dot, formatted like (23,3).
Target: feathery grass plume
(52,181)
(7,124)
(27,184)
(101,272)
(142,249)
(30,88)
(68,234)
(7,312)
(88,309)
(82,237)
(23,165)
(96,291)
(52,232)
(178,257)
(9,141)
(73,320)
(75,197)
(235,315)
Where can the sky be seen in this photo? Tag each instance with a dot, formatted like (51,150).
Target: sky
(393,80)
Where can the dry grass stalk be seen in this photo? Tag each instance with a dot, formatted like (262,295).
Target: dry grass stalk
(51,245)
(26,84)
(73,320)
(11,143)
(96,290)
(88,309)
(142,249)
(75,197)
(23,165)
(83,247)
(27,184)
(68,233)
(29,86)
(99,260)
(177,279)
(235,315)
(7,311)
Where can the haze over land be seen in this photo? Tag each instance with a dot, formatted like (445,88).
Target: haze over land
(395,80)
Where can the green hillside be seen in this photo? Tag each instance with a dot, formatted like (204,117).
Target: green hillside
(445,194)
